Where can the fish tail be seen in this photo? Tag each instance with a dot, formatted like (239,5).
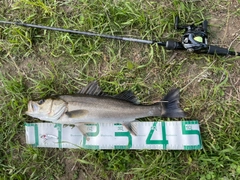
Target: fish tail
(170,105)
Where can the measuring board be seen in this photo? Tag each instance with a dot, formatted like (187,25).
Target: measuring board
(164,135)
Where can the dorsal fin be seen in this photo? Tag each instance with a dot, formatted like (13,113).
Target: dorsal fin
(127,96)
(92,89)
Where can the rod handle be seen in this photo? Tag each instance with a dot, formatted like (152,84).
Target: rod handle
(217,50)
(171,45)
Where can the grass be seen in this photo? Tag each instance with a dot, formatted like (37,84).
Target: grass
(35,63)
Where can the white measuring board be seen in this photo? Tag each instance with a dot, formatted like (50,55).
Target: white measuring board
(164,135)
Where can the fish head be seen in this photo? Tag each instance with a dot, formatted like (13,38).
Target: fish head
(47,109)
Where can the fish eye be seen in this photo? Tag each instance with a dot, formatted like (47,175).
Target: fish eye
(41,101)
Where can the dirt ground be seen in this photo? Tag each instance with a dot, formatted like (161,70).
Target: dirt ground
(224,31)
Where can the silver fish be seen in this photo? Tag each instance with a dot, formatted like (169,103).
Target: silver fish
(91,105)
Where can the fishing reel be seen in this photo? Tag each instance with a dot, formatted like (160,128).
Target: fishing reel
(195,39)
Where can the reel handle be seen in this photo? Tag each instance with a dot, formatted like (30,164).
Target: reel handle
(205,25)
(176,23)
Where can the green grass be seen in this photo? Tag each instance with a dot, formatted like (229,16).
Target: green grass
(36,63)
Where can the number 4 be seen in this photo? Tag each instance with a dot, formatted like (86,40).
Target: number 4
(164,140)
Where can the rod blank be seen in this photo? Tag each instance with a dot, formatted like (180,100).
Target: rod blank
(83,33)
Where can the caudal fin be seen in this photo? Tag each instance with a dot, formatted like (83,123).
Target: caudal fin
(170,105)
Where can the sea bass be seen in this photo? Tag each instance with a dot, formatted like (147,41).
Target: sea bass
(91,105)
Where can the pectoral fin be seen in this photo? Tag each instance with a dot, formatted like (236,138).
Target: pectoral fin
(83,129)
(77,113)
(131,127)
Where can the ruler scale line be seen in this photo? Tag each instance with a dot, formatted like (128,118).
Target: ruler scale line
(161,135)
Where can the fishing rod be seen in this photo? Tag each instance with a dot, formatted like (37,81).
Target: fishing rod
(193,40)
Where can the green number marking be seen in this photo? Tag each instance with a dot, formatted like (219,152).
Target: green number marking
(124,134)
(59,128)
(91,134)
(36,133)
(119,126)
(187,130)
(164,140)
